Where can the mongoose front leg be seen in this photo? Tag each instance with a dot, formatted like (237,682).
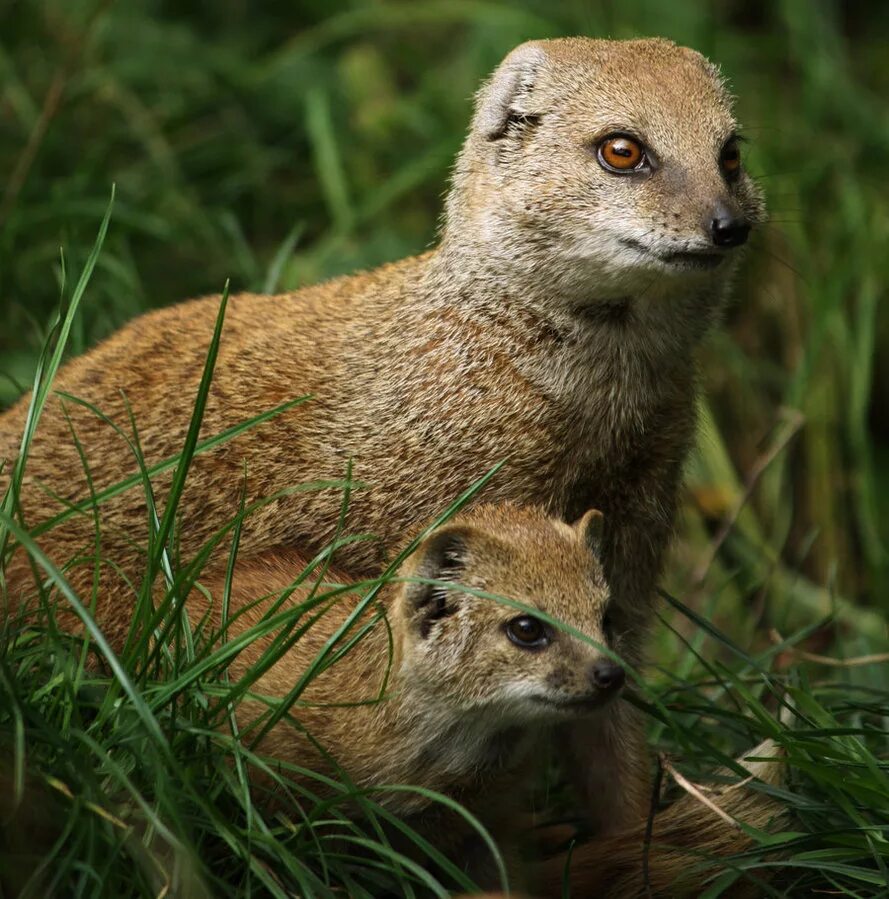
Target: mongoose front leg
(607,759)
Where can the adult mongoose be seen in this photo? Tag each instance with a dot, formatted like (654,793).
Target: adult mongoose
(589,235)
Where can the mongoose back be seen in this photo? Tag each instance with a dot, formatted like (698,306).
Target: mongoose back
(590,230)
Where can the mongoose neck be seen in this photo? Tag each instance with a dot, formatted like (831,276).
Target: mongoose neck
(652,322)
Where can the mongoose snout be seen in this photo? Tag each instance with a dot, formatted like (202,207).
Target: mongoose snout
(607,676)
(728,225)
(585,690)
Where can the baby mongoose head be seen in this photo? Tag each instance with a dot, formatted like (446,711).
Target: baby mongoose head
(605,169)
(469,653)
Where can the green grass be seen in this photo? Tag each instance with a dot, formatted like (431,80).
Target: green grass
(273,148)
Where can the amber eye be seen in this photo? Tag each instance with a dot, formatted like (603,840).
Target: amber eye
(527,632)
(620,153)
(730,159)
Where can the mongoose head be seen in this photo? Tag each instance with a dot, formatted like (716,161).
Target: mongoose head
(473,654)
(605,170)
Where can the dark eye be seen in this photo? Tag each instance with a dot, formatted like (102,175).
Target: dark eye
(619,153)
(730,159)
(527,632)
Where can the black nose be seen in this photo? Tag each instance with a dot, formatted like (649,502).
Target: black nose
(727,228)
(608,675)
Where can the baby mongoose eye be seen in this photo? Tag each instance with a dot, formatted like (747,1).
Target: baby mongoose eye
(527,632)
(730,159)
(619,153)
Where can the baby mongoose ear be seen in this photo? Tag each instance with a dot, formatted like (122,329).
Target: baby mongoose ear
(508,95)
(441,557)
(591,528)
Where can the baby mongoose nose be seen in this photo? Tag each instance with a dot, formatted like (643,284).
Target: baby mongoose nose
(728,229)
(607,675)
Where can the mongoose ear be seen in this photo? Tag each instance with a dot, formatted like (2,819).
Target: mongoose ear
(441,557)
(507,96)
(591,528)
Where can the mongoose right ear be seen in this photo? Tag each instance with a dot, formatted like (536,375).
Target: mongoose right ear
(441,557)
(591,527)
(508,95)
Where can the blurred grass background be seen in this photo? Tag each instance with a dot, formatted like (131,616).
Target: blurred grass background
(278,144)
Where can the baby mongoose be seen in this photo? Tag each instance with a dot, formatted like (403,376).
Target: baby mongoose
(589,234)
(454,692)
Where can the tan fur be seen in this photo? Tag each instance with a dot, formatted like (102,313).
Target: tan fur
(545,328)
(455,706)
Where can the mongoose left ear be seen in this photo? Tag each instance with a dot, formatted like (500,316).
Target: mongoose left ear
(508,95)
(591,527)
(441,557)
